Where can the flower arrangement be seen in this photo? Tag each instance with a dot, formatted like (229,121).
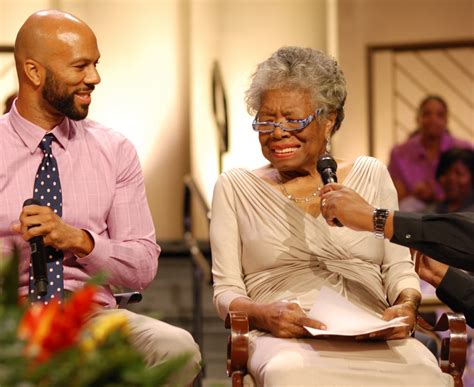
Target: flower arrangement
(57,345)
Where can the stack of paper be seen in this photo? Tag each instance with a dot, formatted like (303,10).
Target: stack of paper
(343,318)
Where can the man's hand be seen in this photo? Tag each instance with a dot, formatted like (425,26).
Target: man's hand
(42,221)
(430,270)
(287,319)
(346,205)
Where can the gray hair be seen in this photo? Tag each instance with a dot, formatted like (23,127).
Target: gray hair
(301,68)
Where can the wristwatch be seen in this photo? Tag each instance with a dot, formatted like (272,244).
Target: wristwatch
(379,218)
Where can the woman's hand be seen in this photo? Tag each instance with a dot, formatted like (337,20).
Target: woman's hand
(406,310)
(287,319)
(400,310)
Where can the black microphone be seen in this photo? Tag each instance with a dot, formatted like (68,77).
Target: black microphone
(38,258)
(327,168)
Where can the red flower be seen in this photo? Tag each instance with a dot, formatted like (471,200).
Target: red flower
(51,328)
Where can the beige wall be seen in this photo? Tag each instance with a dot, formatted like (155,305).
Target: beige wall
(364,22)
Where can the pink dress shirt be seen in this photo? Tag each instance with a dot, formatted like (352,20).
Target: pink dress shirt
(103,192)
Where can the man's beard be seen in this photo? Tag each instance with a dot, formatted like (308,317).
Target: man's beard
(62,101)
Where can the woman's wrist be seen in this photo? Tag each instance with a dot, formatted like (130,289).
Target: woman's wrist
(413,303)
(410,298)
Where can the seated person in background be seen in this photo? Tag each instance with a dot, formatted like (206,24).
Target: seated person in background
(94,216)
(272,252)
(455,174)
(446,237)
(413,164)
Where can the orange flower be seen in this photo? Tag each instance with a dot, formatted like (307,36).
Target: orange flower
(51,328)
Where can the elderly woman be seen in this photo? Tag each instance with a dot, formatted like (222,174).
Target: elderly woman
(273,252)
(413,164)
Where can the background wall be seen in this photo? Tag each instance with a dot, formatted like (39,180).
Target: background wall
(368,22)
(157,58)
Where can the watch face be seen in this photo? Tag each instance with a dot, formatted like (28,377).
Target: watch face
(219,107)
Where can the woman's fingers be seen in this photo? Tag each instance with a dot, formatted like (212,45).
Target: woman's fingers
(289,321)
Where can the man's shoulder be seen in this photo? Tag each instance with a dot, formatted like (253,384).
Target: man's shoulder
(95,127)
(94,130)
(104,140)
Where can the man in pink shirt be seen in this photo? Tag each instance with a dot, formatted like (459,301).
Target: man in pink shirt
(106,226)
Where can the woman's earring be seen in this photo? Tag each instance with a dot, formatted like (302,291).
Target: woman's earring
(328,146)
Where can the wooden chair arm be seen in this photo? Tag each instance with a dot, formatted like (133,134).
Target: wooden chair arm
(237,346)
(453,348)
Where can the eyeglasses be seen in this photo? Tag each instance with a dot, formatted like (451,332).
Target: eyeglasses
(286,125)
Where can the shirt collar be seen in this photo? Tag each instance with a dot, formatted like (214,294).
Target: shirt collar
(32,134)
(445,144)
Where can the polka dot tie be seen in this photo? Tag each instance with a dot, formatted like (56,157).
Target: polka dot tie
(47,190)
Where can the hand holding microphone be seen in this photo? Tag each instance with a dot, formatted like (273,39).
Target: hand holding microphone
(38,257)
(55,232)
(327,168)
(347,206)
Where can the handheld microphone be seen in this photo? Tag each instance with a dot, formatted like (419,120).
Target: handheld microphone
(327,168)
(38,258)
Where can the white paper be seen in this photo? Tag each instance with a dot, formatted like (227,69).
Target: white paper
(343,318)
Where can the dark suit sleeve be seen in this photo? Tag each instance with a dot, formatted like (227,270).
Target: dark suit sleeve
(448,238)
(457,291)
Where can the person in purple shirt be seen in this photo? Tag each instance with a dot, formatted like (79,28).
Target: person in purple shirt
(106,225)
(413,163)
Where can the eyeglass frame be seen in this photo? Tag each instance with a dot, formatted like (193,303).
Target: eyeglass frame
(305,122)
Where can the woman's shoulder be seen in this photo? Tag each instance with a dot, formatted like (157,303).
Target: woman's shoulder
(361,162)
(267,173)
(369,161)
(236,174)
(460,143)
(365,169)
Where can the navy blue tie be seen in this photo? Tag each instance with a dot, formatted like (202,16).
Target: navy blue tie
(47,190)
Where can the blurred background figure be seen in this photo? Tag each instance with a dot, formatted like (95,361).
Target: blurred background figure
(455,174)
(413,163)
(9,102)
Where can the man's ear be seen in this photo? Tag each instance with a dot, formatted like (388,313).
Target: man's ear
(329,124)
(33,71)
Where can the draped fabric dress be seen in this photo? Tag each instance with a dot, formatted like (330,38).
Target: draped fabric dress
(267,249)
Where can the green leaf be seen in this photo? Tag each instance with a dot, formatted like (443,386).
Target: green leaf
(9,279)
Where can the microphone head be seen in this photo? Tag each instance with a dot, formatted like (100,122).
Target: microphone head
(31,201)
(326,162)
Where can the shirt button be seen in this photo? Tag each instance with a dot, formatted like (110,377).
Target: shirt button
(408,236)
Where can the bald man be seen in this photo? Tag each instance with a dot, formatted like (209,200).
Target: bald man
(105,225)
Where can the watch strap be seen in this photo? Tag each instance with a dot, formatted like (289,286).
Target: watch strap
(379,218)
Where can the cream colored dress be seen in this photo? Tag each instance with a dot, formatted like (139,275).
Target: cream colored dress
(267,249)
